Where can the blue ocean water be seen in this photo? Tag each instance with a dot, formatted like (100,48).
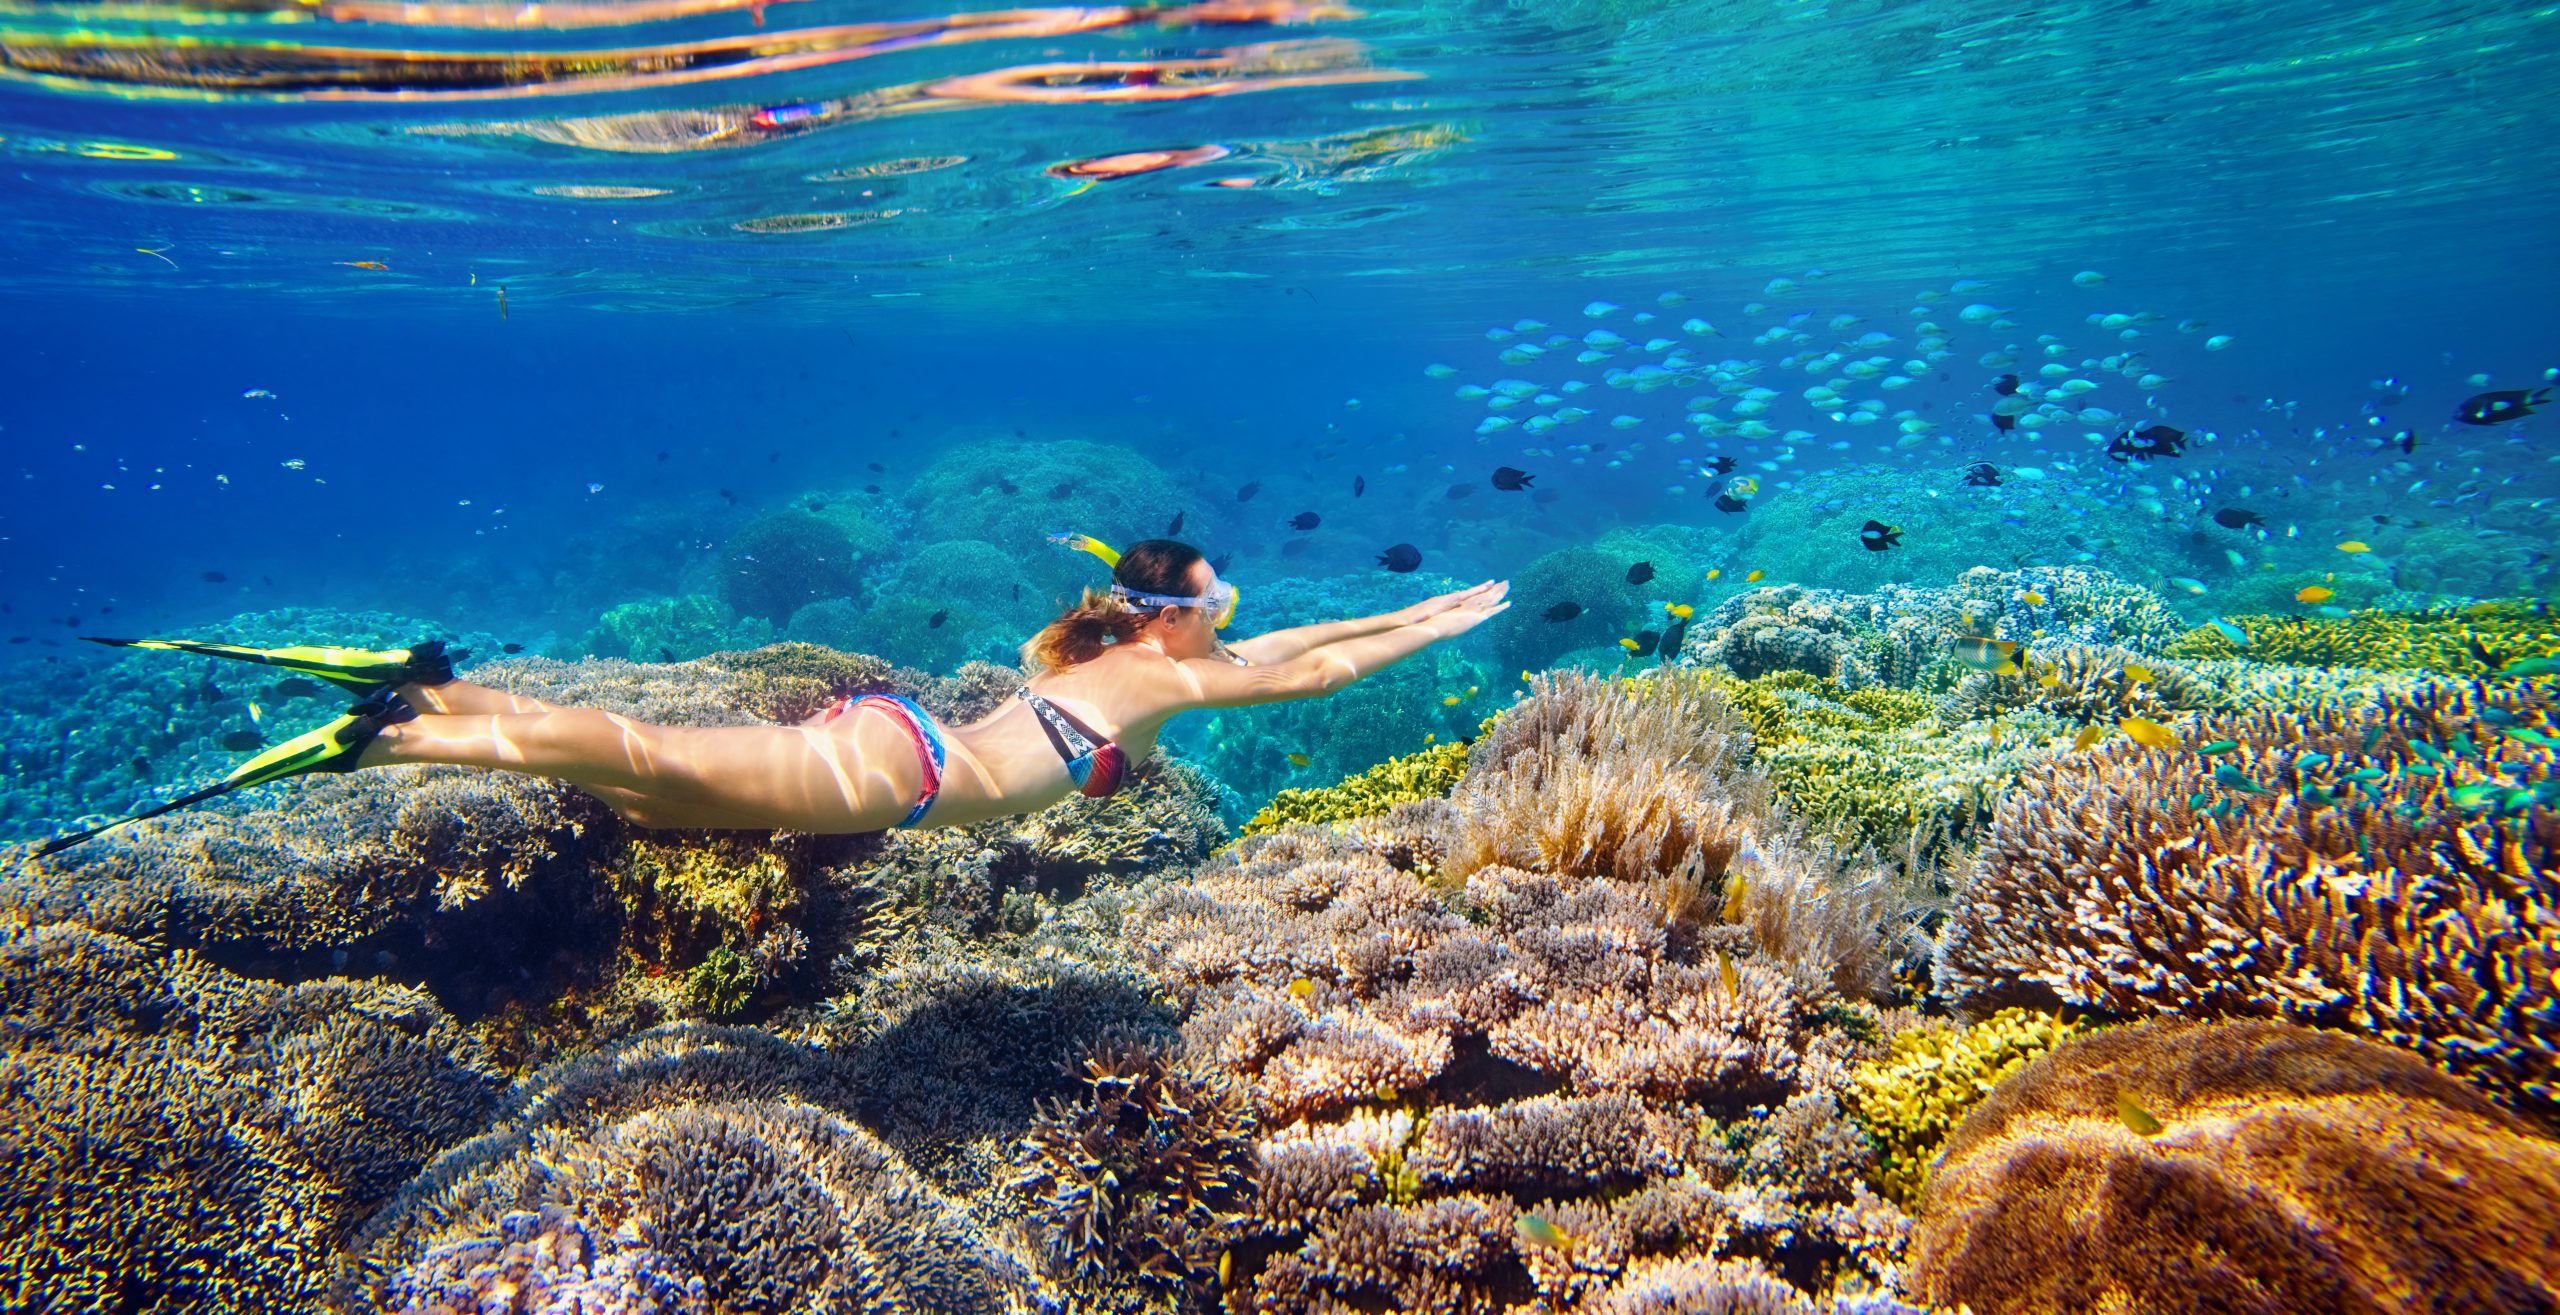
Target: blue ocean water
(649,329)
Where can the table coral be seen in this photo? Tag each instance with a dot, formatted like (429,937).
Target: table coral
(710,1166)
(185,1139)
(2387,868)
(2276,1168)
(1910,1099)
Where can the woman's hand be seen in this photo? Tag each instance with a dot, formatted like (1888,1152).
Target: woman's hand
(1431,607)
(1467,609)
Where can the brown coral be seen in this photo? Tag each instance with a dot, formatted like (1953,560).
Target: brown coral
(2389,869)
(2292,1170)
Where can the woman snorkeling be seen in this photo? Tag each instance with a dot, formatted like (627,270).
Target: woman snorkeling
(1109,673)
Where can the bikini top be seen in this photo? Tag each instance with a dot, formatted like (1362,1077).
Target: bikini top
(1093,762)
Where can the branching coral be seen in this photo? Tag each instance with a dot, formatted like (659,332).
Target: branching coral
(2082,683)
(1912,1098)
(2387,868)
(1150,1169)
(184,1139)
(2178,1167)
(2439,641)
(702,1167)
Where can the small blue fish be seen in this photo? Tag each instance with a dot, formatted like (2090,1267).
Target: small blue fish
(2231,632)
(2462,746)
(2427,751)
(2232,778)
(2497,716)
(2311,762)
(2529,735)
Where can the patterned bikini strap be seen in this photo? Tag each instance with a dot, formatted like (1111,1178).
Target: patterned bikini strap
(1073,739)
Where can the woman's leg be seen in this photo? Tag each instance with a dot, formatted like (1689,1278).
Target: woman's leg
(839,779)
(461,696)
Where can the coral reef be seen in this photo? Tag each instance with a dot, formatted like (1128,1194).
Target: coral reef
(1874,771)
(1594,582)
(1429,774)
(785,559)
(1258,751)
(184,1139)
(2438,641)
(671,629)
(2082,683)
(1147,1171)
(689,1167)
(2178,1167)
(2386,867)
(1910,1099)
(1489,1042)
(1014,494)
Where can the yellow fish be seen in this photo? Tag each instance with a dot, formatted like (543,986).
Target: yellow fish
(1452,700)
(2355,545)
(2031,598)
(2049,678)
(2140,1120)
(1728,974)
(2139,675)
(2148,733)
(1999,655)
(1716,574)
(1755,577)
(2088,735)
(1680,610)
(2312,593)
(1627,644)
(1432,738)
(1995,735)
(361,264)
(1471,691)
(1302,987)
(1298,760)
(1537,1232)
(255,716)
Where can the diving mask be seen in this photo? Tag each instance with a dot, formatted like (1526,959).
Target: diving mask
(1219,604)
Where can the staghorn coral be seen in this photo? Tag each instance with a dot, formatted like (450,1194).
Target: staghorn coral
(1428,774)
(1147,1171)
(184,1139)
(1910,1099)
(2387,868)
(2081,683)
(2291,1170)
(2438,641)
(688,1168)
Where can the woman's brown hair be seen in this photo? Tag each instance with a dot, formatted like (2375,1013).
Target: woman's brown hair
(1098,621)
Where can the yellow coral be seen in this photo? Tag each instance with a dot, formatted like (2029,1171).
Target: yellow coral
(2438,640)
(684,894)
(1428,774)
(1910,1100)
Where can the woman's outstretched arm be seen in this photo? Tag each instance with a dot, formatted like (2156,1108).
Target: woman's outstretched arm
(1329,667)
(1283,645)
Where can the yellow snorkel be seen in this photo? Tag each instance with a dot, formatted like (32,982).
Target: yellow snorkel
(1087,543)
